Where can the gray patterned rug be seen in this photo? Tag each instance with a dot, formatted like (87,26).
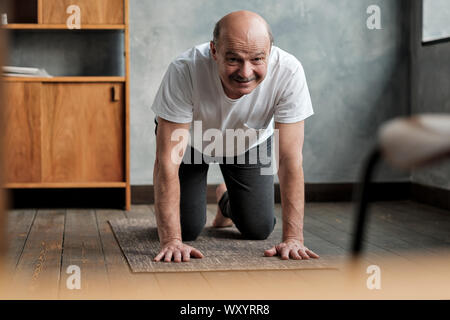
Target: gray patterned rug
(223,250)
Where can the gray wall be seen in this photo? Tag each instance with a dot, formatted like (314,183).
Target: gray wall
(430,91)
(357,77)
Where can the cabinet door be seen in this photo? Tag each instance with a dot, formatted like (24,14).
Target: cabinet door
(82,132)
(22,141)
(91,11)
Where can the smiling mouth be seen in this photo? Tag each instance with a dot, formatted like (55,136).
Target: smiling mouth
(240,80)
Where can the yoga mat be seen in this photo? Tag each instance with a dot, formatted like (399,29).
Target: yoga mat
(224,249)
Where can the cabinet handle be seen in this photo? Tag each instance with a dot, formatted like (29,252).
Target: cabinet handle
(115,93)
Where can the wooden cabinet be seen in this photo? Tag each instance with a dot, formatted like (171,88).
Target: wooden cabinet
(22,140)
(69,131)
(91,11)
(51,13)
(64,132)
(82,132)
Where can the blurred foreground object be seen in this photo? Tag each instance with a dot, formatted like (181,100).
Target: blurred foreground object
(3,245)
(405,143)
(417,141)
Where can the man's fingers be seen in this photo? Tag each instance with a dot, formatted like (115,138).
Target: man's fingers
(168,257)
(294,255)
(285,254)
(196,254)
(303,254)
(186,255)
(177,256)
(160,255)
(270,252)
(312,254)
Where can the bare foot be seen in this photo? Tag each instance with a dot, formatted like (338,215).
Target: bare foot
(220,221)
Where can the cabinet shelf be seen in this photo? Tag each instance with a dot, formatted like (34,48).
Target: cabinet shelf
(69,53)
(64,79)
(34,26)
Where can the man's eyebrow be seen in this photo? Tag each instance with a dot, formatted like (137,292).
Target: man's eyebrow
(261,53)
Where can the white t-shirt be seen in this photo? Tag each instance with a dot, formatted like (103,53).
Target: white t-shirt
(191,91)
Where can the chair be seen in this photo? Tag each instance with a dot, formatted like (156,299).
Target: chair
(405,143)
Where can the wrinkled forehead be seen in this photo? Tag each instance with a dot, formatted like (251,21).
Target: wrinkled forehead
(245,42)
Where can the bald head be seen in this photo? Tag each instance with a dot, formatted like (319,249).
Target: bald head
(242,24)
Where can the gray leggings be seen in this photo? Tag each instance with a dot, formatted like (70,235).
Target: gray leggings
(249,201)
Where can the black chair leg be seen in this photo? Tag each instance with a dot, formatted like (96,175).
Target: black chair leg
(363,198)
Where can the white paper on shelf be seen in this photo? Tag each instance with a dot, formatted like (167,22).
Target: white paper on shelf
(22,70)
(19,75)
(10,71)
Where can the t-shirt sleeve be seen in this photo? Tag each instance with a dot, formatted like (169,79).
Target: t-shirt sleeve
(295,102)
(173,101)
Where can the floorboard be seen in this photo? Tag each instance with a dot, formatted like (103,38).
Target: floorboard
(399,240)
(339,230)
(43,243)
(38,270)
(121,279)
(19,226)
(428,223)
(82,248)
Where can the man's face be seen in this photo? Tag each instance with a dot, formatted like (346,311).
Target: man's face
(242,63)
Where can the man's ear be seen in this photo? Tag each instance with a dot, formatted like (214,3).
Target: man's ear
(213,49)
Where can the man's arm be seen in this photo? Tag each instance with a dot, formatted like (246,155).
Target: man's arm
(290,175)
(169,153)
(292,189)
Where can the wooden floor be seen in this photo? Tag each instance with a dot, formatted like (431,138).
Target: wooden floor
(44,243)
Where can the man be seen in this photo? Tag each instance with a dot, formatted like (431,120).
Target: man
(237,81)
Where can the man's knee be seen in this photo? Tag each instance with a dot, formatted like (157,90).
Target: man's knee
(258,230)
(192,219)
(190,231)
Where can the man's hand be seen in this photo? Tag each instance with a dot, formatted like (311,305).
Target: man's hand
(178,251)
(291,248)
